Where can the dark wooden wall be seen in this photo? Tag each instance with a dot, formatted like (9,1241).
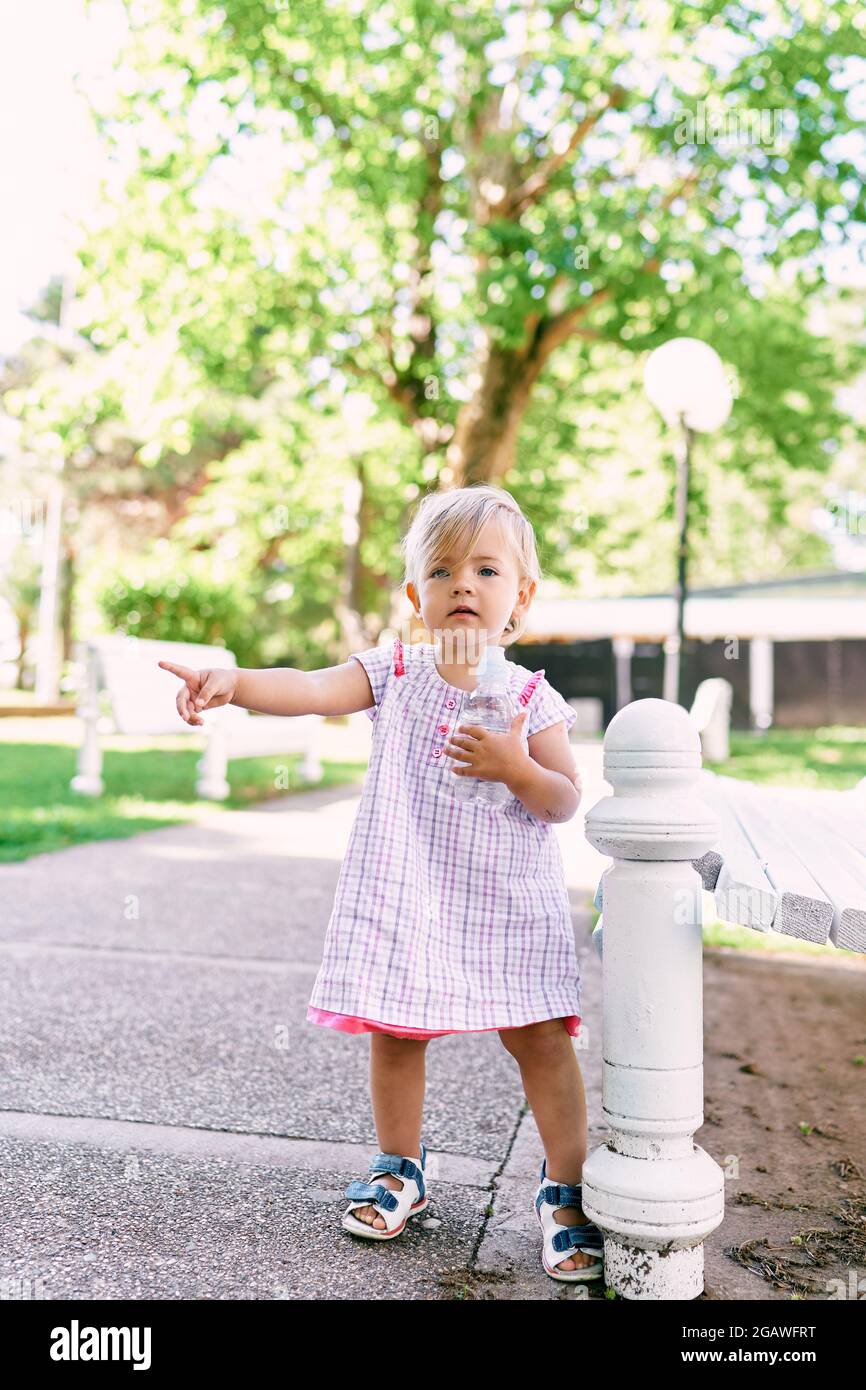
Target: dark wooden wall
(576,669)
(819,683)
(815,683)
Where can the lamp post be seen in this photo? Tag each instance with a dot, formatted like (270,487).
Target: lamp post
(674,669)
(686,382)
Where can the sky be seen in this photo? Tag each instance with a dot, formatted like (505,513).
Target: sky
(49,151)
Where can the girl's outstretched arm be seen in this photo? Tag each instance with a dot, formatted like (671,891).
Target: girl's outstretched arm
(342,689)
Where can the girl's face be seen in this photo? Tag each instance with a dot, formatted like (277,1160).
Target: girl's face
(486,582)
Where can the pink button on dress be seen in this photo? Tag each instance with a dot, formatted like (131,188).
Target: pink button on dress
(448,917)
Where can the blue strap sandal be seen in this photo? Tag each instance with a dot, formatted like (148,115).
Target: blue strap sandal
(561,1241)
(395,1208)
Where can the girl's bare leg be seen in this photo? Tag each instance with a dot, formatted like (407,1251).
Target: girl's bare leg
(553,1083)
(397,1077)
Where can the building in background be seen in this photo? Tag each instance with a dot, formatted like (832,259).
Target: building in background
(794,650)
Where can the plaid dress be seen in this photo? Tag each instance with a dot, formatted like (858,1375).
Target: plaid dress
(448,917)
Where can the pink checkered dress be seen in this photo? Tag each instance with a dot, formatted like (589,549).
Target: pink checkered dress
(448,917)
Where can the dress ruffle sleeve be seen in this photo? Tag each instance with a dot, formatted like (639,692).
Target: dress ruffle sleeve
(547,707)
(377,662)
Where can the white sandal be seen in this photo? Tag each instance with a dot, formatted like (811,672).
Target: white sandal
(395,1208)
(560,1242)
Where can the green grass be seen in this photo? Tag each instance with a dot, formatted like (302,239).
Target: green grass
(150,782)
(718,933)
(146,787)
(826,758)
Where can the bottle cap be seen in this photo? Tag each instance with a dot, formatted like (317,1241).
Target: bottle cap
(492,669)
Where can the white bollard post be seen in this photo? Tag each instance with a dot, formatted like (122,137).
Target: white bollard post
(654,1193)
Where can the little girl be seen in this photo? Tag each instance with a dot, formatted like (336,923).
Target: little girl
(450,916)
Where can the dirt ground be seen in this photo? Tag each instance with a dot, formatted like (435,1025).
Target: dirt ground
(785,1117)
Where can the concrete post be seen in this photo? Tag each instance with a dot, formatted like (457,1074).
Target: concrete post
(654,1193)
(761,682)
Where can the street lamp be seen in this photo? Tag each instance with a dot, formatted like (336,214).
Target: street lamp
(686,382)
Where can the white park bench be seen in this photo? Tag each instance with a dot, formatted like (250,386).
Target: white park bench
(790,861)
(141,697)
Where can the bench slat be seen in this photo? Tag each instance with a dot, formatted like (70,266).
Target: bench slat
(819,828)
(804,910)
(843,812)
(743,892)
(266,734)
(830,861)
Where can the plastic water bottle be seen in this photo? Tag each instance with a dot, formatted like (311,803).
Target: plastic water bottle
(491,706)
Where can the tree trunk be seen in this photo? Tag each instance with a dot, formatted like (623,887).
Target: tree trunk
(483,448)
(23,638)
(350,603)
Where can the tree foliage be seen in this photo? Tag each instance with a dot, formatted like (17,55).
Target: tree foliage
(480,216)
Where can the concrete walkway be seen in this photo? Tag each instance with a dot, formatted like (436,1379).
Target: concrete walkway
(171,1125)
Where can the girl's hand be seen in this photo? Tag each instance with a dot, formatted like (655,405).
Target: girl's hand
(202,689)
(494,757)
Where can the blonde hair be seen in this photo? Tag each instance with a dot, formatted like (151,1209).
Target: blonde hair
(449,523)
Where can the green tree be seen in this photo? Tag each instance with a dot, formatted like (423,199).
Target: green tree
(483,215)
(573,174)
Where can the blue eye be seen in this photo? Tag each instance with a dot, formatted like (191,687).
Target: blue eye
(441,570)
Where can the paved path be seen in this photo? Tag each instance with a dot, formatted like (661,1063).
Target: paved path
(170,1125)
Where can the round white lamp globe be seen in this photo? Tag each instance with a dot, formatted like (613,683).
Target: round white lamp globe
(685,378)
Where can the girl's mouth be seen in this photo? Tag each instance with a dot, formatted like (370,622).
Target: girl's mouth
(463,613)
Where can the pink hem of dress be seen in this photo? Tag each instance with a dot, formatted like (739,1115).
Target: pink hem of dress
(350,1023)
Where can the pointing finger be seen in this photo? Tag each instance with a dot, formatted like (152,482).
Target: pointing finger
(185,673)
